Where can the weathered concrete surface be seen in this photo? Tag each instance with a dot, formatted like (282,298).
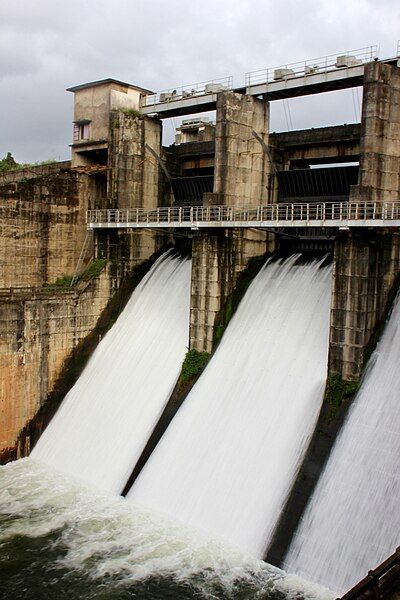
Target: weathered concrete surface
(367,264)
(379,175)
(42,224)
(134,172)
(241,178)
(339,143)
(93,103)
(38,330)
(241,167)
(134,180)
(312,146)
(217,261)
(366,268)
(212,280)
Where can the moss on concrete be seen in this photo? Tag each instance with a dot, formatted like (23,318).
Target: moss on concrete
(336,391)
(60,284)
(65,281)
(132,112)
(93,270)
(193,364)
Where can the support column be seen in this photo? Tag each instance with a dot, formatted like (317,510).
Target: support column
(366,264)
(242,167)
(366,269)
(133,182)
(379,175)
(241,179)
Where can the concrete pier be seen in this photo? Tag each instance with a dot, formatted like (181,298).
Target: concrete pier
(241,178)
(367,265)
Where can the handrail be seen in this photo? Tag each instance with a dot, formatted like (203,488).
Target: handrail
(385,575)
(283,214)
(312,66)
(191,90)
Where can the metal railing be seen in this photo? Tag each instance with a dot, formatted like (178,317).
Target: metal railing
(379,581)
(300,214)
(191,90)
(312,67)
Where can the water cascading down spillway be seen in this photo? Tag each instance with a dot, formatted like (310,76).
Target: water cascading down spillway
(352,522)
(104,422)
(227,461)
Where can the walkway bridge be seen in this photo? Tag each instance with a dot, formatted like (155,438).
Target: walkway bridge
(328,214)
(323,74)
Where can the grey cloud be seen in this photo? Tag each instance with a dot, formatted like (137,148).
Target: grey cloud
(48,45)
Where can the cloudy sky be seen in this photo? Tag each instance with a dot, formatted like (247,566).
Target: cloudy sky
(49,45)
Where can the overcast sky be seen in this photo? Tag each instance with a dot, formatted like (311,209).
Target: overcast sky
(49,45)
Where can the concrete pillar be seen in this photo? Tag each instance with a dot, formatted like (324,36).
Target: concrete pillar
(242,167)
(134,177)
(241,179)
(366,264)
(379,176)
(212,281)
(366,270)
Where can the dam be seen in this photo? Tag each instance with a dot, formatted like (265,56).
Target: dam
(199,343)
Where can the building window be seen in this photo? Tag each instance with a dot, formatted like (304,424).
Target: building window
(81,131)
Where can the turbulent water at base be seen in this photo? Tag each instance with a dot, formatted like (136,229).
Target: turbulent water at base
(104,422)
(353,520)
(227,461)
(60,539)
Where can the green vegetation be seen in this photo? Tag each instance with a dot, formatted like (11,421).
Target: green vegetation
(336,391)
(8,163)
(91,272)
(59,284)
(132,112)
(193,365)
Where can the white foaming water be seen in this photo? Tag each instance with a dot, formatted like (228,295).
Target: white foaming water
(105,420)
(105,538)
(353,520)
(227,461)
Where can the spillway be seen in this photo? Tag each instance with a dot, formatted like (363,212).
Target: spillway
(227,461)
(353,520)
(104,422)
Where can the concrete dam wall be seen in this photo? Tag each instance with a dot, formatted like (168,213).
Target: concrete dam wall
(64,288)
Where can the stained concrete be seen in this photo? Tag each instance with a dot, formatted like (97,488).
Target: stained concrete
(38,331)
(42,224)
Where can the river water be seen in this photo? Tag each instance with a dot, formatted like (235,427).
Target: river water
(60,539)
